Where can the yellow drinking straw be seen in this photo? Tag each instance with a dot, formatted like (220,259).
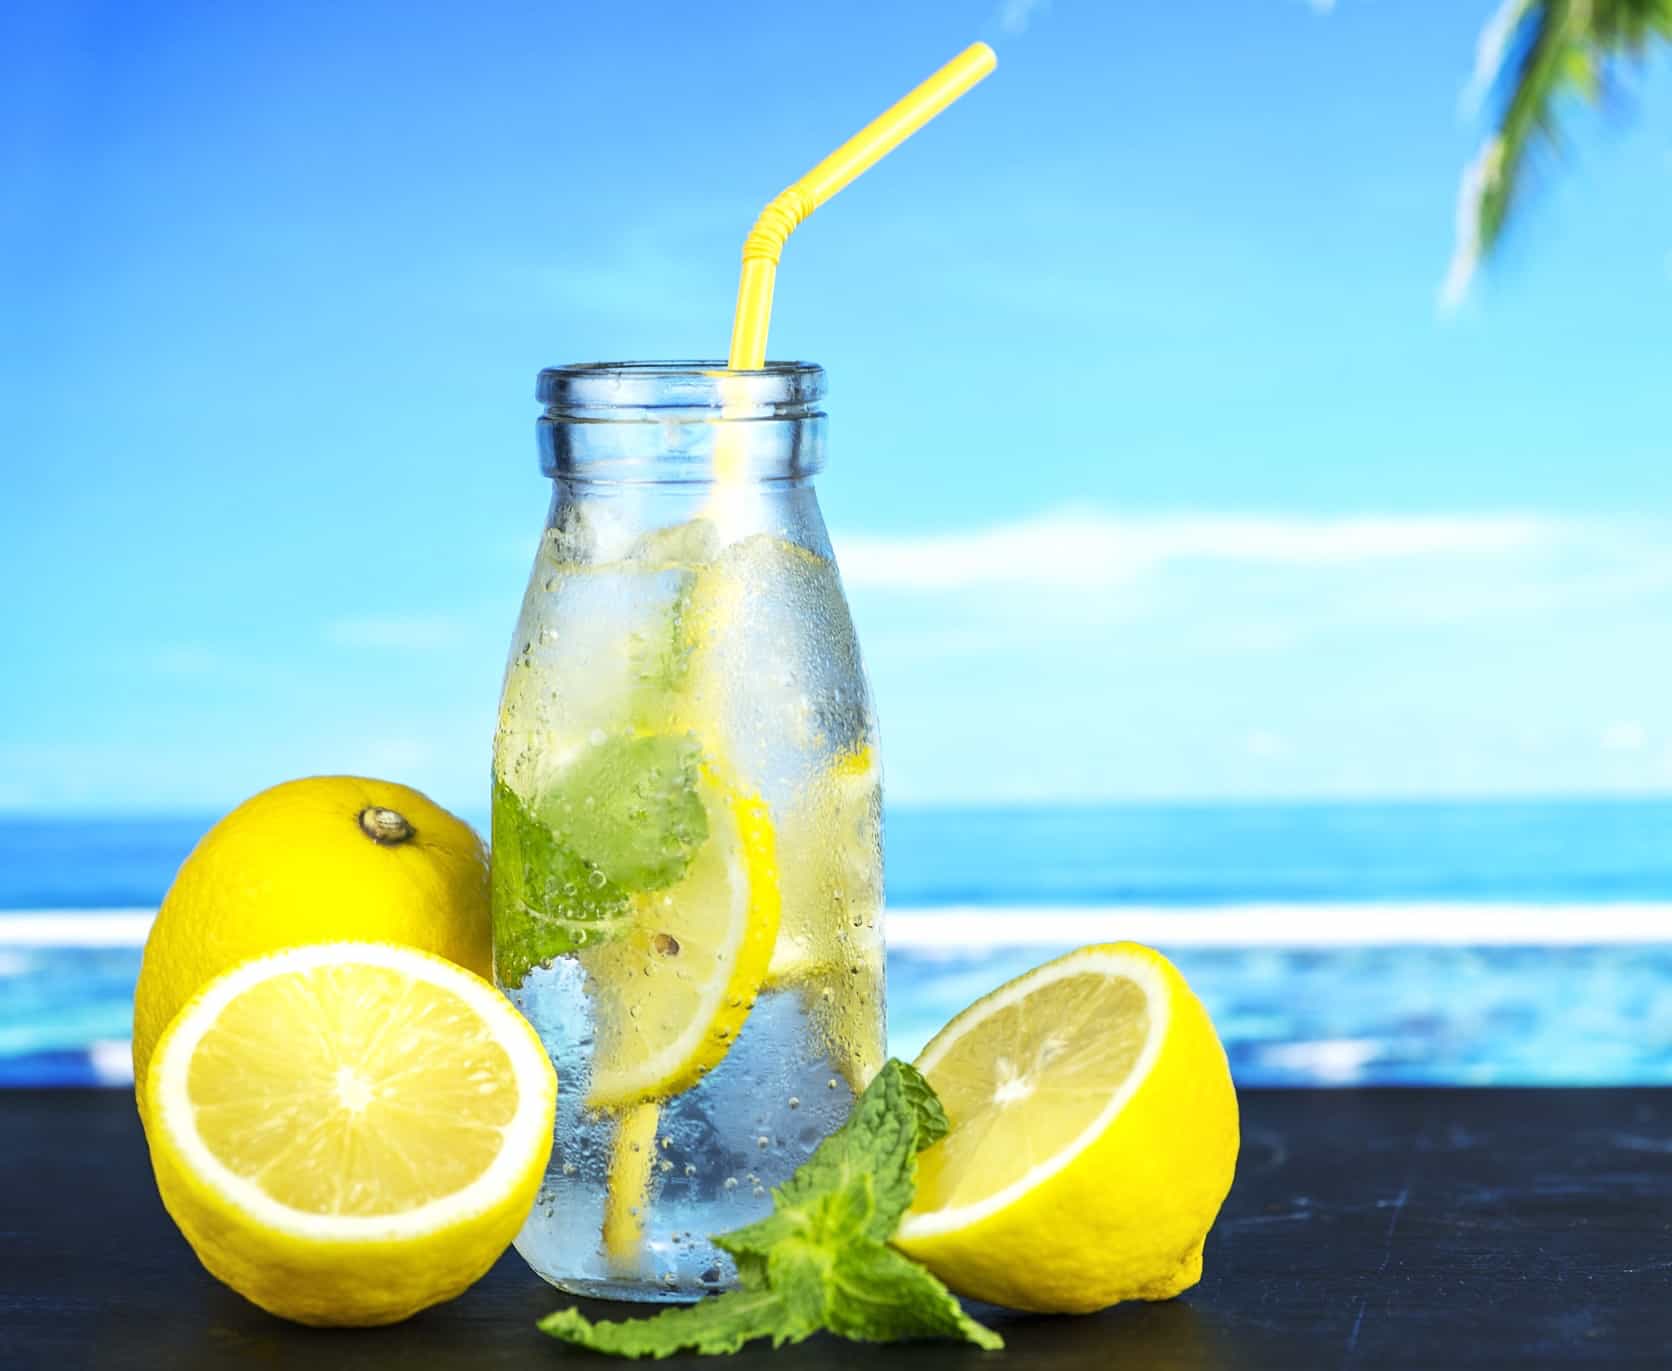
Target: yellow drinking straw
(791,205)
(633,1155)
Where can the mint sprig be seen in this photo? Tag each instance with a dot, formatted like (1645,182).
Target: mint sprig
(821,1259)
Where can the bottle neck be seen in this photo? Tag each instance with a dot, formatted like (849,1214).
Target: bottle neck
(681,423)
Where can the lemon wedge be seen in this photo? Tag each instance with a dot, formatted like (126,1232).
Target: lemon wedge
(1094,1136)
(671,991)
(347,1133)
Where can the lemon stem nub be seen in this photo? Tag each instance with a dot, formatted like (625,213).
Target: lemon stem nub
(385,827)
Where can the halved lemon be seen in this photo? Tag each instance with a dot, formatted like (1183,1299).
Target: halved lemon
(1094,1136)
(347,1133)
(671,991)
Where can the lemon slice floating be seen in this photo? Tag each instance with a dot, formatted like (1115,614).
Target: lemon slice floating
(671,991)
(1094,1135)
(347,1133)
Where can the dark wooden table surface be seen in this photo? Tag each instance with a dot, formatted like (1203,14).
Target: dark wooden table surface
(1428,1229)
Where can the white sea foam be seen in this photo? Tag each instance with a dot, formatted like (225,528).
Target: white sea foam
(74,927)
(964,928)
(111,1061)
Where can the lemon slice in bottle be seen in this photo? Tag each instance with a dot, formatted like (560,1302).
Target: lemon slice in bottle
(1094,1135)
(347,1133)
(671,990)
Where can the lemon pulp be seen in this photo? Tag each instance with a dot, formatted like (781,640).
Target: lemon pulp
(1039,1072)
(672,990)
(349,1132)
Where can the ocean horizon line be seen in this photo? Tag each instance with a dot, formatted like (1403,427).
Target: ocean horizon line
(953,928)
(211,812)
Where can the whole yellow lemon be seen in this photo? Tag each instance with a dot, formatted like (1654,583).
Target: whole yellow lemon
(322,859)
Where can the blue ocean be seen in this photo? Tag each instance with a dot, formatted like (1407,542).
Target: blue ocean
(1510,942)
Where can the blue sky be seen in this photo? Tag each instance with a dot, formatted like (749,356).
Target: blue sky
(1155,469)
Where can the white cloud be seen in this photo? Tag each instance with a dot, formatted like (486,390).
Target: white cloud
(1014,16)
(410,633)
(1321,6)
(1265,744)
(1095,549)
(1624,735)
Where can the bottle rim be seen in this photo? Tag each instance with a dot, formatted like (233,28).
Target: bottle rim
(657,391)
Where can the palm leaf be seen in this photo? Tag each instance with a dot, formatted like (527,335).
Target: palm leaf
(1535,56)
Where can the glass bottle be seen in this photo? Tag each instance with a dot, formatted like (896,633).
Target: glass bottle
(687,818)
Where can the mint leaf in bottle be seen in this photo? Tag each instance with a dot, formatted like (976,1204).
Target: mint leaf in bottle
(546,900)
(628,806)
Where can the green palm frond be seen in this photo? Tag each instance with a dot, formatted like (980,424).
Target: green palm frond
(1536,54)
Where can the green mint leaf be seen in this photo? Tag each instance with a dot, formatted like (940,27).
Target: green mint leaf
(821,1259)
(859,1180)
(720,1324)
(629,807)
(546,900)
(879,1295)
(915,1090)
(659,660)
(660,654)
